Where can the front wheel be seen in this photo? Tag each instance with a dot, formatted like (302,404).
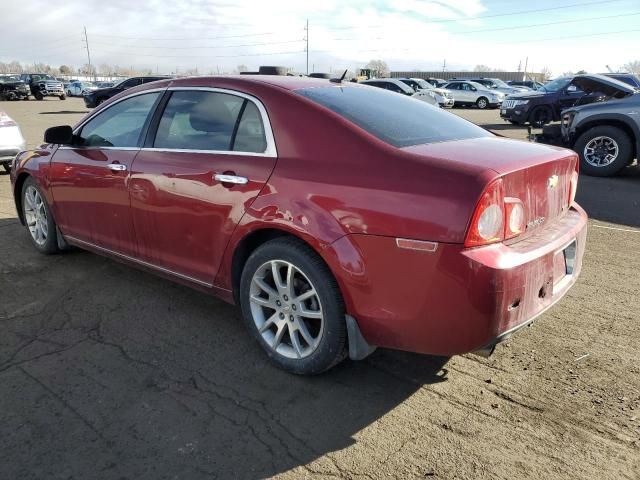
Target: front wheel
(7,167)
(62,97)
(604,151)
(38,96)
(292,306)
(482,103)
(38,218)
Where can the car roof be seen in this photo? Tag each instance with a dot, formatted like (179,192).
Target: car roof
(280,81)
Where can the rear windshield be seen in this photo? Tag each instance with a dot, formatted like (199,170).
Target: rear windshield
(392,117)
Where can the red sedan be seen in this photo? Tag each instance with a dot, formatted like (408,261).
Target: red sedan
(340,217)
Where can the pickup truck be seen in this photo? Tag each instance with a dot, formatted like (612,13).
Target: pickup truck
(43,85)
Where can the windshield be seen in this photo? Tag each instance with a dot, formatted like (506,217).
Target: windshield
(423,84)
(395,119)
(88,84)
(499,83)
(556,85)
(9,78)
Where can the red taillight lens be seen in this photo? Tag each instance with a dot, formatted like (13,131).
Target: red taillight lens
(514,217)
(487,223)
(573,188)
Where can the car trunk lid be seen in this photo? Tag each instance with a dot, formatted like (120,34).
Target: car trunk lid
(538,175)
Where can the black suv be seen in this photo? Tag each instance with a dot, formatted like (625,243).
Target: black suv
(12,88)
(545,105)
(606,136)
(96,97)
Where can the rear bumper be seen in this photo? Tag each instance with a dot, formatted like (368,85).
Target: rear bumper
(455,300)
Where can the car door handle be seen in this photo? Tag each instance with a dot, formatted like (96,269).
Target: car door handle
(117,167)
(225,178)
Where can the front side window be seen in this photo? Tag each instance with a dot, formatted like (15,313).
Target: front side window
(119,125)
(199,120)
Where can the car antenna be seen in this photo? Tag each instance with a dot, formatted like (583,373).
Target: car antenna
(339,80)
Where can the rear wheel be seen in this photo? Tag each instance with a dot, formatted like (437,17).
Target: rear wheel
(38,218)
(7,167)
(62,97)
(604,151)
(482,103)
(38,96)
(291,304)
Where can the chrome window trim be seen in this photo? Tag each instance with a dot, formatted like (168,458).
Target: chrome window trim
(271,150)
(138,261)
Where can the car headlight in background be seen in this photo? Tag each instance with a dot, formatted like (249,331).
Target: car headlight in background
(567,118)
(519,103)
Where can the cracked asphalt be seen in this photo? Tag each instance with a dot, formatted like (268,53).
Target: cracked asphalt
(110,372)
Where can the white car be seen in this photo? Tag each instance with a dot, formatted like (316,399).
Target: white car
(395,85)
(78,88)
(469,93)
(442,95)
(11,140)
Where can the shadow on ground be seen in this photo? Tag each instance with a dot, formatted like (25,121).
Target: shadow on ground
(159,380)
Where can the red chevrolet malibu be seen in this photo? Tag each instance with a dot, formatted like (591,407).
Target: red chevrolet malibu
(340,217)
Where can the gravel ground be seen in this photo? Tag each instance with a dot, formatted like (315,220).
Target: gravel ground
(110,372)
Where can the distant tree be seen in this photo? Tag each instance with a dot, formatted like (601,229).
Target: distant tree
(632,67)
(64,70)
(546,73)
(481,68)
(4,68)
(241,68)
(15,67)
(105,69)
(581,72)
(87,69)
(380,67)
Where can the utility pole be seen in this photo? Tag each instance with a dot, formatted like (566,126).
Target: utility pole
(444,65)
(307,48)
(526,64)
(86,44)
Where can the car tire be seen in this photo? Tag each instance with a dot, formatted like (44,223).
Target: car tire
(482,103)
(540,116)
(277,321)
(38,218)
(597,144)
(62,97)
(514,122)
(38,96)
(7,167)
(68,93)
(100,100)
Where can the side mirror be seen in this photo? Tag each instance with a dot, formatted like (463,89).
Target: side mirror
(474,89)
(62,135)
(572,89)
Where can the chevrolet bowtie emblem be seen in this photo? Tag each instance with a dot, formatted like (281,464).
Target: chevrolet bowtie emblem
(552,182)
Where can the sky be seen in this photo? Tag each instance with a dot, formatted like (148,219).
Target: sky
(219,35)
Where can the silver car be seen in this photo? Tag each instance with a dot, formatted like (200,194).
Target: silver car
(78,88)
(470,93)
(11,140)
(395,85)
(498,85)
(442,96)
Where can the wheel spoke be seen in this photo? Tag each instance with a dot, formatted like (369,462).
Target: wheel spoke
(264,287)
(317,314)
(304,331)
(295,341)
(268,323)
(277,339)
(277,279)
(263,302)
(306,295)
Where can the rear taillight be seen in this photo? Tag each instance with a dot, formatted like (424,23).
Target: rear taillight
(496,217)
(487,223)
(573,188)
(514,215)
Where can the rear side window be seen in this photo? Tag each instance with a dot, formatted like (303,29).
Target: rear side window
(399,120)
(197,120)
(250,136)
(119,125)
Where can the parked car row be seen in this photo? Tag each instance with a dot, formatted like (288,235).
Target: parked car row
(11,140)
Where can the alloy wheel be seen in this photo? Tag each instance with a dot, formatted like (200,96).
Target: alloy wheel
(36,215)
(286,309)
(601,151)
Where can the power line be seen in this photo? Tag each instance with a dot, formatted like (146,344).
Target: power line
(185,38)
(577,36)
(201,46)
(494,15)
(212,56)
